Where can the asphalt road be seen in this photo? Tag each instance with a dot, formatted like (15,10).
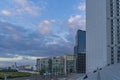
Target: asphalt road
(36,78)
(26,78)
(69,77)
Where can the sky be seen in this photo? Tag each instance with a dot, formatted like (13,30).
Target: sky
(31,29)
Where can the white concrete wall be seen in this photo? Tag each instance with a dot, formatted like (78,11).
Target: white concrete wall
(96,39)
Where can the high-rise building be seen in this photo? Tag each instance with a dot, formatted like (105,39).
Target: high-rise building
(103,33)
(79,51)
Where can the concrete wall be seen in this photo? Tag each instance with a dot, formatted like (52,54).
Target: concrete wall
(96,34)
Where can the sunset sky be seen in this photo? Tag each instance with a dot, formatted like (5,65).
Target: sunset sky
(38,28)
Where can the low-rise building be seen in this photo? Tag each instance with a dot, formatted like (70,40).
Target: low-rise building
(44,64)
(59,65)
(25,67)
(69,64)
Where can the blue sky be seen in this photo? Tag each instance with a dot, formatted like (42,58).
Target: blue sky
(38,28)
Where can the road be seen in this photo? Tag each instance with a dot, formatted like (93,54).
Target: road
(69,77)
(74,76)
(36,78)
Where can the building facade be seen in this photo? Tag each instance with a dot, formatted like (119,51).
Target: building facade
(103,33)
(25,67)
(58,65)
(80,51)
(69,64)
(44,64)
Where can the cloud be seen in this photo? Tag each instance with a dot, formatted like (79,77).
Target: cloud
(60,38)
(44,27)
(43,38)
(77,21)
(11,59)
(63,36)
(74,18)
(81,6)
(27,6)
(18,40)
(18,58)
(18,44)
(5,12)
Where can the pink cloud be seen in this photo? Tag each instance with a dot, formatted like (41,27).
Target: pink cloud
(5,12)
(44,27)
(77,21)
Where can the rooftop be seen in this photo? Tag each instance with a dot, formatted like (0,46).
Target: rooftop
(111,72)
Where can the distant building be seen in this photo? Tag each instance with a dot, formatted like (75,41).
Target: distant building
(38,64)
(69,64)
(60,64)
(80,51)
(14,67)
(25,67)
(44,64)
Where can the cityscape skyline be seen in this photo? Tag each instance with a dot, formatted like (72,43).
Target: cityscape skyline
(31,28)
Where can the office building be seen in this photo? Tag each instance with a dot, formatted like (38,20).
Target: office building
(103,33)
(58,65)
(44,64)
(80,51)
(69,64)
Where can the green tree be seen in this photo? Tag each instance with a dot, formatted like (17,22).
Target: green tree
(42,71)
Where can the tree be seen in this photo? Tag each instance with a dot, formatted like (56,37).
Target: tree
(42,71)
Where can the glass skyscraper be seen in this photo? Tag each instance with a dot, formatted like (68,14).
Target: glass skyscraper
(81,41)
(79,51)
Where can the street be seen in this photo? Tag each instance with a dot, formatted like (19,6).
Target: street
(36,78)
(73,76)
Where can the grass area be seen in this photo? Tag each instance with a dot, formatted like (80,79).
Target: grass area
(15,74)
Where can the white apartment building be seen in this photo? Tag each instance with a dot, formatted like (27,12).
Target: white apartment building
(102,33)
